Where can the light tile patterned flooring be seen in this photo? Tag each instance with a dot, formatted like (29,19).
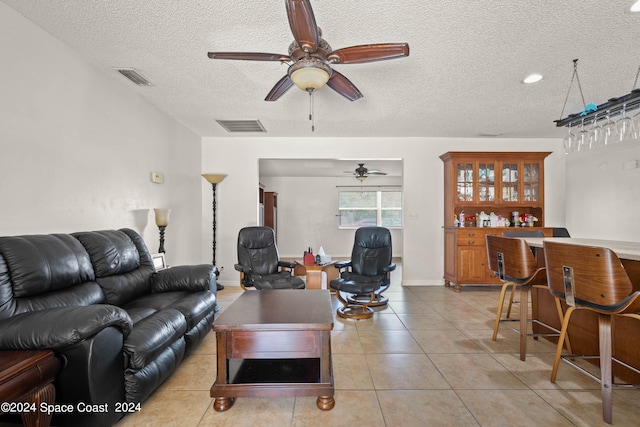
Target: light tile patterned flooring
(427,359)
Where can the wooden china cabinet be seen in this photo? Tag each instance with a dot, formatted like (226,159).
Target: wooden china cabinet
(475,182)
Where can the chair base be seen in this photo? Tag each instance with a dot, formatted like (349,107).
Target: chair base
(378,301)
(360,310)
(354,311)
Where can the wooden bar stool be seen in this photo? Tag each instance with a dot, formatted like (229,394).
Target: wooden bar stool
(592,278)
(514,263)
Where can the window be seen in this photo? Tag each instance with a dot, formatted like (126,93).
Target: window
(370,208)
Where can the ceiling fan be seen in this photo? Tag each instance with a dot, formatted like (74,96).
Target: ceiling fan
(311,57)
(361,173)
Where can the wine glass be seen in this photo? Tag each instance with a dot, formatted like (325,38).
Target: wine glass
(568,141)
(595,136)
(625,127)
(609,130)
(583,138)
(636,125)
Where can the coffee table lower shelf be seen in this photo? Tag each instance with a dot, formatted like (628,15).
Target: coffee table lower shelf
(273,378)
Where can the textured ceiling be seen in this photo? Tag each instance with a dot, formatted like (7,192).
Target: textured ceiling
(462,78)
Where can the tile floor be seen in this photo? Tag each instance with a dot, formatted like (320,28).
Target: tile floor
(427,359)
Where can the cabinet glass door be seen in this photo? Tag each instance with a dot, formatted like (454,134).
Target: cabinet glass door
(465,182)
(531,182)
(510,182)
(486,182)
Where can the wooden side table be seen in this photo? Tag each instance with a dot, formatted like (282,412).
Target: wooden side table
(26,381)
(315,274)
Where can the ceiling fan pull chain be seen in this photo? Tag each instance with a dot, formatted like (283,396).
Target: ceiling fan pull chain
(311,106)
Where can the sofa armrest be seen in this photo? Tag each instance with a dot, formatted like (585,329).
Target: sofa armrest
(60,327)
(184,278)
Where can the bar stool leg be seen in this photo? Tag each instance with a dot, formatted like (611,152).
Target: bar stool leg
(524,318)
(513,292)
(496,325)
(561,339)
(606,371)
(561,317)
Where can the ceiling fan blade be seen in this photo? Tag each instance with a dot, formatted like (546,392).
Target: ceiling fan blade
(343,86)
(375,172)
(279,89)
(250,56)
(368,53)
(303,24)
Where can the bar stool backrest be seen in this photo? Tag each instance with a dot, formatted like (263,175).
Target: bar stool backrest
(511,258)
(589,276)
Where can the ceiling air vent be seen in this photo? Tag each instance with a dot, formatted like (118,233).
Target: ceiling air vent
(241,125)
(134,76)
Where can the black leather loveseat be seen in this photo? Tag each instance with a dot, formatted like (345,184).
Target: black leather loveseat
(119,327)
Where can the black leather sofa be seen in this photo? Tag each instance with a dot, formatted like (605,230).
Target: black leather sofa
(120,327)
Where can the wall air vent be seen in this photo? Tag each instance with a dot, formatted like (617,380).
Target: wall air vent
(134,76)
(235,126)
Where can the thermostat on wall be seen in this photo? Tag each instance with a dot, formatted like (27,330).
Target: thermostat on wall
(157,177)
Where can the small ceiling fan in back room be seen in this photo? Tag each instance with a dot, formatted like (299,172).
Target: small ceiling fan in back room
(361,173)
(310,57)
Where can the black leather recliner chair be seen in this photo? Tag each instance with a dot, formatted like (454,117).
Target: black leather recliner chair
(367,274)
(259,263)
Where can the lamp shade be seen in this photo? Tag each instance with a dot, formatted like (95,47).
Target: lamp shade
(310,74)
(310,78)
(162,217)
(214,178)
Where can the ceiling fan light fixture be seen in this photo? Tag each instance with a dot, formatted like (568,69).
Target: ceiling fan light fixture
(361,178)
(635,7)
(309,75)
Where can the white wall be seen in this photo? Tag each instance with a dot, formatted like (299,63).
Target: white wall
(314,201)
(423,182)
(78,143)
(602,196)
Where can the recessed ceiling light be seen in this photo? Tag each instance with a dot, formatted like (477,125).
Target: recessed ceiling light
(532,78)
(635,7)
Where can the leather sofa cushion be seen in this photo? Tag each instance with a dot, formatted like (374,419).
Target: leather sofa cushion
(153,335)
(43,263)
(111,251)
(122,288)
(83,295)
(193,306)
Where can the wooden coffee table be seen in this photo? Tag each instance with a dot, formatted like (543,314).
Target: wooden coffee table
(275,343)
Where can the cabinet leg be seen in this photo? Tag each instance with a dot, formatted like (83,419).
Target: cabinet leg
(41,419)
(221,404)
(447,283)
(325,402)
(458,288)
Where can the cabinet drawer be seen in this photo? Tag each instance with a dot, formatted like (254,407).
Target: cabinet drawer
(471,237)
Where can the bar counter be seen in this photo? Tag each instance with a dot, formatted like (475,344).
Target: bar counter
(583,327)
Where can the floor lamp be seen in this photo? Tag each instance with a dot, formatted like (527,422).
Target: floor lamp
(214,179)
